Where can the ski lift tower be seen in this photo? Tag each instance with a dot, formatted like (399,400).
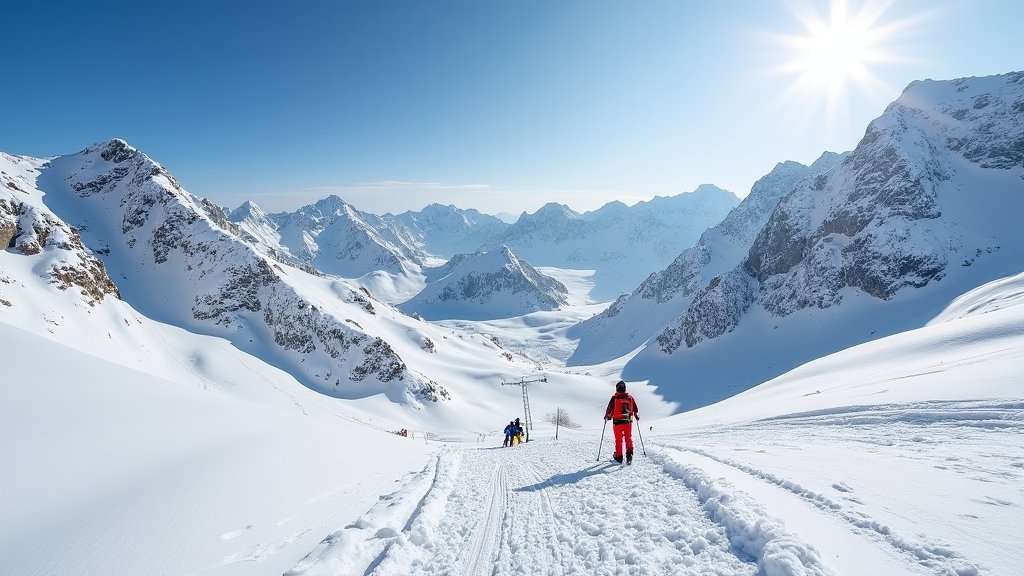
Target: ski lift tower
(523,382)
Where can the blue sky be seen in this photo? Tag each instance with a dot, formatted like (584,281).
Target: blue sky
(495,105)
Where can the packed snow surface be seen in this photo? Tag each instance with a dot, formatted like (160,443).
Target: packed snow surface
(900,456)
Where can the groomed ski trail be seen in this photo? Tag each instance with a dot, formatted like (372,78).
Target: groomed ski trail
(547,507)
(487,534)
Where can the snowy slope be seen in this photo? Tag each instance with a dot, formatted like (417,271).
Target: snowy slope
(149,439)
(876,460)
(144,448)
(632,320)
(486,285)
(176,259)
(122,471)
(922,210)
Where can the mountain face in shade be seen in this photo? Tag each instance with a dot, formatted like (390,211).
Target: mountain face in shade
(926,207)
(635,318)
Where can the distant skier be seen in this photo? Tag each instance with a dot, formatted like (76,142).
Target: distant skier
(621,411)
(510,431)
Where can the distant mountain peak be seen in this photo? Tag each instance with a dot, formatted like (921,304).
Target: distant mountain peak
(926,206)
(487,285)
(248,209)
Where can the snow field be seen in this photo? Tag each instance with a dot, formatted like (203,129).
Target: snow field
(548,507)
(748,527)
(920,489)
(123,472)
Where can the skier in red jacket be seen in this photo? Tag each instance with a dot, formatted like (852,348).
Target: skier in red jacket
(621,411)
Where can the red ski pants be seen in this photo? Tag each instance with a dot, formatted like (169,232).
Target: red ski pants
(623,432)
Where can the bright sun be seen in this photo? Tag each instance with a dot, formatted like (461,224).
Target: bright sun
(839,52)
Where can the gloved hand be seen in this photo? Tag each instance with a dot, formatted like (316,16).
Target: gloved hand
(607,417)
(637,417)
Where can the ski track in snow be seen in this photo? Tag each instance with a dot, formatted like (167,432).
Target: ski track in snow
(925,446)
(942,559)
(548,508)
(721,502)
(486,535)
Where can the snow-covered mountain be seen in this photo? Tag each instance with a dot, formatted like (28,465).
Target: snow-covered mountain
(172,424)
(924,208)
(203,458)
(448,230)
(484,286)
(110,221)
(332,237)
(632,319)
(623,244)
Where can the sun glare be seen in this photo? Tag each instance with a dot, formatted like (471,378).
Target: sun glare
(839,52)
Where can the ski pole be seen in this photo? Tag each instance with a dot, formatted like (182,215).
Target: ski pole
(641,440)
(602,441)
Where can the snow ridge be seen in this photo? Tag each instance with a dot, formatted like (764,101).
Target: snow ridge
(631,320)
(916,213)
(938,557)
(777,552)
(178,259)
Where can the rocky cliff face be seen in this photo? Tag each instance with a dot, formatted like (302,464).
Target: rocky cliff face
(920,208)
(631,320)
(178,259)
(877,223)
(28,228)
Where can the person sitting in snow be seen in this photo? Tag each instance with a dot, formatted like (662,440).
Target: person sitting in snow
(621,411)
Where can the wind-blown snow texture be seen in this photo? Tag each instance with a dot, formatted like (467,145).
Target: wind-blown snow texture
(924,208)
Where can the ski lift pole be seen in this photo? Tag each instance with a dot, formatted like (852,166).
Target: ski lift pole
(527,418)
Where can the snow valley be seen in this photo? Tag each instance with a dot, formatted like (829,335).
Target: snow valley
(827,371)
